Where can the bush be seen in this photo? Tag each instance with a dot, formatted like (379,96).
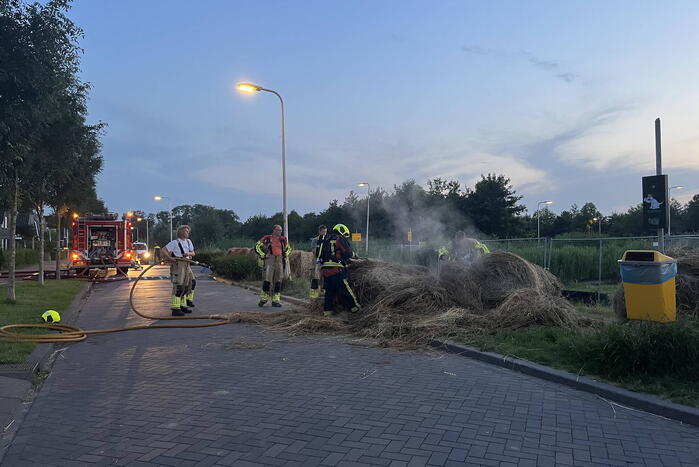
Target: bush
(639,349)
(25,257)
(207,256)
(236,267)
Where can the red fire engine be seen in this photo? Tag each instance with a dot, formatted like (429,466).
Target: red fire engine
(101,241)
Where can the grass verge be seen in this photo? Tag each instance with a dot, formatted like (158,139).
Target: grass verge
(642,357)
(32,300)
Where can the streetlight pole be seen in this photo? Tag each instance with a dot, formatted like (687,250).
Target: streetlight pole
(669,212)
(169,204)
(538,223)
(368,196)
(599,261)
(250,88)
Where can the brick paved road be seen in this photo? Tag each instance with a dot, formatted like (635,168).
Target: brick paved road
(189,397)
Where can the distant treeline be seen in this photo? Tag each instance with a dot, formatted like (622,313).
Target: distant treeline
(491,209)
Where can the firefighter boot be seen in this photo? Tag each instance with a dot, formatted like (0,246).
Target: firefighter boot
(264,295)
(314,292)
(175,306)
(276,298)
(190,295)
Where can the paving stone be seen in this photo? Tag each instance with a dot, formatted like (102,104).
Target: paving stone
(185,397)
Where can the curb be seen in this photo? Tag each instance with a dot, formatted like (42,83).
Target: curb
(635,400)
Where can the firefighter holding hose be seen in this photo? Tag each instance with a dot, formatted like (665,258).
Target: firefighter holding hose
(273,250)
(183,282)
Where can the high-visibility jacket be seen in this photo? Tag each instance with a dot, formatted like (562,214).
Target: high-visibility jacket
(334,254)
(274,246)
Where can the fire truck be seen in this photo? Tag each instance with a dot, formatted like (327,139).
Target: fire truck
(101,241)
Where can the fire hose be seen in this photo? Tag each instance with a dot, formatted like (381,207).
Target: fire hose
(68,333)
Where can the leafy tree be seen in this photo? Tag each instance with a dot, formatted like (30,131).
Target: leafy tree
(493,206)
(692,215)
(39,57)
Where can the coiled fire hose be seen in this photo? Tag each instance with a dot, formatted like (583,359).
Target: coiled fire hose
(69,333)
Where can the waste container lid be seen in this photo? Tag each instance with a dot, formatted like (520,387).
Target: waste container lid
(646,256)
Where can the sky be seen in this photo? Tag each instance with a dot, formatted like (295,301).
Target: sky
(560,97)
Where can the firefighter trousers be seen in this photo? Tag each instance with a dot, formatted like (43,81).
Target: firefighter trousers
(338,285)
(182,277)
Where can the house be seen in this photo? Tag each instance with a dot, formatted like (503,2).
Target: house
(27,227)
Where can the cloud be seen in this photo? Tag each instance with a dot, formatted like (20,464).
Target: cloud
(476,49)
(542,64)
(538,63)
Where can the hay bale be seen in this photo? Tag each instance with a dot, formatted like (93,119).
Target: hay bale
(239,251)
(464,290)
(619,303)
(498,274)
(524,308)
(301,264)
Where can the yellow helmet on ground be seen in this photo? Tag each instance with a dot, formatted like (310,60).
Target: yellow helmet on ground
(342,230)
(51,316)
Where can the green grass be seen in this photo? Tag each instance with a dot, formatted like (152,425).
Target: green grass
(32,300)
(637,357)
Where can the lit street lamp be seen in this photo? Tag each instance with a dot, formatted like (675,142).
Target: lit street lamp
(368,193)
(538,223)
(669,212)
(169,203)
(252,88)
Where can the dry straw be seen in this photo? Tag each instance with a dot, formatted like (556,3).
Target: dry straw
(408,305)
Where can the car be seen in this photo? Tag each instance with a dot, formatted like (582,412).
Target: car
(141,251)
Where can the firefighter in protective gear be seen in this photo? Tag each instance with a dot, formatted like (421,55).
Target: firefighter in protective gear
(183,283)
(336,254)
(317,248)
(273,250)
(463,249)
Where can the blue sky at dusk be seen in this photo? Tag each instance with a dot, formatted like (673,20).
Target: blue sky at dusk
(558,96)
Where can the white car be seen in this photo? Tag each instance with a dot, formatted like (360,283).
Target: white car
(141,250)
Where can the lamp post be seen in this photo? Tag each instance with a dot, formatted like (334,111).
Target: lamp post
(252,88)
(669,212)
(599,261)
(538,223)
(368,195)
(169,203)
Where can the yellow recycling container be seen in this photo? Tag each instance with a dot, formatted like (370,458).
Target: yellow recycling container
(649,285)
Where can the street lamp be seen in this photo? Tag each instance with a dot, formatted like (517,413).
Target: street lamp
(252,88)
(368,193)
(169,203)
(538,224)
(599,262)
(669,212)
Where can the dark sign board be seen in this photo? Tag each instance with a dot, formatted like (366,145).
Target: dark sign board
(655,200)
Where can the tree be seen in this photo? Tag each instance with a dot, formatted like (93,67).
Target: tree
(692,215)
(493,206)
(40,60)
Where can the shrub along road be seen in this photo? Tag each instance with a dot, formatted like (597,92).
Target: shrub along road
(244,395)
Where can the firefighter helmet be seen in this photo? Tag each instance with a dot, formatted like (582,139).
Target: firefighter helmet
(342,230)
(51,316)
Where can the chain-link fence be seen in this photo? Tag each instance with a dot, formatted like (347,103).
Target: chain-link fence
(586,259)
